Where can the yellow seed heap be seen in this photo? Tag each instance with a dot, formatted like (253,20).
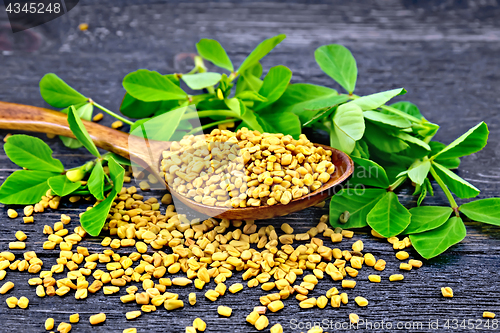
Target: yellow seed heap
(245,168)
(205,251)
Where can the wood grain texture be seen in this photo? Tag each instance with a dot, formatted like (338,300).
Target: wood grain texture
(445,53)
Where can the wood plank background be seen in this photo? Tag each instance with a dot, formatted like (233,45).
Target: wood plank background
(445,53)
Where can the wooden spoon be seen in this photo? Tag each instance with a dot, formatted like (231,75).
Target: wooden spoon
(35,119)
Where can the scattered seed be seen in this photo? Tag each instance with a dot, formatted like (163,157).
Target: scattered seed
(354,318)
(12,213)
(97,318)
(6,287)
(447,291)
(49,324)
(396,277)
(224,310)
(117,124)
(11,302)
(487,314)
(98,117)
(74,318)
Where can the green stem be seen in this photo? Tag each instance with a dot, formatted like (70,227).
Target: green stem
(396,184)
(201,128)
(446,191)
(111,113)
(208,113)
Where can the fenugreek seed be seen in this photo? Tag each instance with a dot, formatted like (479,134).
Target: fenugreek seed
(253,317)
(192,298)
(199,325)
(224,310)
(11,302)
(348,284)
(17,245)
(402,255)
(275,306)
(354,318)
(308,303)
(380,265)
(405,266)
(23,302)
(130,330)
(396,277)
(321,302)
(287,229)
(74,318)
(374,278)
(487,314)
(3,273)
(344,217)
(172,304)
(40,291)
(49,324)
(98,117)
(358,246)
(28,219)
(261,323)
(447,291)
(344,298)
(6,287)
(277,328)
(181,281)
(64,327)
(370,260)
(132,314)
(97,318)
(361,301)
(234,288)
(116,124)
(335,301)
(12,213)
(415,263)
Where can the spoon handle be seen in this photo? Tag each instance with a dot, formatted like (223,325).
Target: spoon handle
(34,119)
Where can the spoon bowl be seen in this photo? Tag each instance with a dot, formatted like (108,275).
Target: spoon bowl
(35,119)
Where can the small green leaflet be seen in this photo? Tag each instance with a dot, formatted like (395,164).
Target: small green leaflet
(414,140)
(250,119)
(450,163)
(93,219)
(338,63)
(134,108)
(80,132)
(25,187)
(456,184)
(471,142)
(201,80)
(426,189)
(427,218)
(382,140)
(484,210)
(96,181)
(249,95)
(116,172)
(374,101)
(260,52)
(84,112)
(234,104)
(383,119)
(432,243)
(150,86)
(212,51)
(62,186)
(117,158)
(282,122)
(369,173)
(359,202)
(419,172)
(274,85)
(58,93)
(389,217)
(159,128)
(31,153)
(408,108)
(348,127)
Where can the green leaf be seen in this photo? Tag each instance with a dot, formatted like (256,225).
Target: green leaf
(374,101)
(117,158)
(93,219)
(249,95)
(150,86)
(419,172)
(62,186)
(212,51)
(387,119)
(348,127)
(408,108)
(383,141)
(432,243)
(31,153)
(116,172)
(84,111)
(25,187)
(249,119)
(274,85)
(338,63)
(456,184)
(484,210)
(160,128)
(58,93)
(96,181)
(427,218)
(357,203)
(234,104)
(306,100)
(283,122)
(201,80)
(450,163)
(389,217)
(361,150)
(134,108)
(260,52)
(471,142)
(410,138)
(323,113)
(423,194)
(80,132)
(369,173)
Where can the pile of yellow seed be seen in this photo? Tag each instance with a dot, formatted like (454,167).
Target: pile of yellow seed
(205,251)
(246,168)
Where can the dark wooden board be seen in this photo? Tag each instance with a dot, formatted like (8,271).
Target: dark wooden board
(444,53)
